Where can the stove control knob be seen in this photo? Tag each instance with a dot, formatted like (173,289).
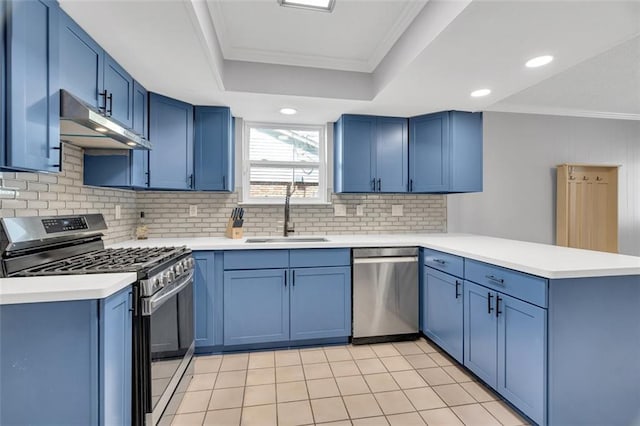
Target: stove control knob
(179,269)
(189,262)
(168,277)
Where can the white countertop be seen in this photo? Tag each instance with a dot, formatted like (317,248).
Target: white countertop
(538,259)
(60,288)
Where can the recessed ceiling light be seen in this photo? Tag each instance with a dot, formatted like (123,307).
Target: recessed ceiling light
(480,92)
(539,61)
(132,143)
(101,129)
(324,5)
(288,111)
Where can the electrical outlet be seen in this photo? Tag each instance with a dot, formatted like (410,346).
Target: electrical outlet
(339,210)
(360,210)
(193,210)
(397,210)
(118,212)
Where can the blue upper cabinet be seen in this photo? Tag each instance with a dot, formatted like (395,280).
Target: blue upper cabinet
(429,155)
(213,147)
(445,152)
(140,121)
(81,63)
(128,169)
(392,153)
(3,80)
(354,152)
(89,73)
(171,133)
(118,87)
(32,99)
(370,154)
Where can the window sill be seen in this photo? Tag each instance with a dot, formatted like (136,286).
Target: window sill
(281,203)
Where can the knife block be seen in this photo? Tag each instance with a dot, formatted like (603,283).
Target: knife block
(231,232)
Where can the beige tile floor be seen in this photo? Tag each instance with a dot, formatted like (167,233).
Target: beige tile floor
(408,383)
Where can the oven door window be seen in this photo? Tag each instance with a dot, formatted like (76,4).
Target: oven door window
(171,335)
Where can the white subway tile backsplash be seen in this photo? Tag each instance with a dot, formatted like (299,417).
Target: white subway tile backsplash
(167,213)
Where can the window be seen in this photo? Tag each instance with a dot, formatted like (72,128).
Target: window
(278,156)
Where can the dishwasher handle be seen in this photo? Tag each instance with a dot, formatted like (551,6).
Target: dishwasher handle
(400,259)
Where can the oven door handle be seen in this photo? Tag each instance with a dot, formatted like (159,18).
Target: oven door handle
(149,306)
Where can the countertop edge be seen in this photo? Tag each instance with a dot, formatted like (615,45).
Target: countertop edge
(38,291)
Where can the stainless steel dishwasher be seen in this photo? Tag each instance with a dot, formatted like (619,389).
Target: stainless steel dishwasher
(385,294)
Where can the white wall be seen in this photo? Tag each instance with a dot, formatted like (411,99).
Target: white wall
(521,152)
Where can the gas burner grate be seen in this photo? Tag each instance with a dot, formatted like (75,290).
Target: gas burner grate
(107,261)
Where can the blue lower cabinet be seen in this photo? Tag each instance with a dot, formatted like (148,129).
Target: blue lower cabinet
(522,356)
(480,332)
(256,306)
(115,359)
(207,292)
(66,363)
(505,345)
(320,303)
(442,311)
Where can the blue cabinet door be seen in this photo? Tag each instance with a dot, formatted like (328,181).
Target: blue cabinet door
(355,154)
(204,293)
(119,85)
(171,133)
(465,151)
(392,154)
(256,306)
(480,332)
(429,153)
(81,63)
(140,119)
(3,82)
(33,101)
(442,311)
(213,149)
(320,302)
(115,359)
(522,353)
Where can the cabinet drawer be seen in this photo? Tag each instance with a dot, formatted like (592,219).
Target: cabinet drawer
(444,262)
(256,259)
(523,286)
(306,258)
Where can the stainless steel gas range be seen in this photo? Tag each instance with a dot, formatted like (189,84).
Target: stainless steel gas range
(163,329)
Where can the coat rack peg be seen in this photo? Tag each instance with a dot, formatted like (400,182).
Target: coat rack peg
(598,178)
(585,178)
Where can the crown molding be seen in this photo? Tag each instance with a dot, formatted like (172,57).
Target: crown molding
(568,112)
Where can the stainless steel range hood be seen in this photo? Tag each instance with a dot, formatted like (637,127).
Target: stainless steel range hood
(81,125)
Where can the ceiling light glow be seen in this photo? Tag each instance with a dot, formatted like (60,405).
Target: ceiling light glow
(132,143)
(288,111)
(101,129)
(539,61)
(480,92)
(324,5)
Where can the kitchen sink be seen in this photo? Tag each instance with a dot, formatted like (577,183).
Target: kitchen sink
(287,240)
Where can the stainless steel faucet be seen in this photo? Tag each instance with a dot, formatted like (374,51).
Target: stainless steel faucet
(287,225)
